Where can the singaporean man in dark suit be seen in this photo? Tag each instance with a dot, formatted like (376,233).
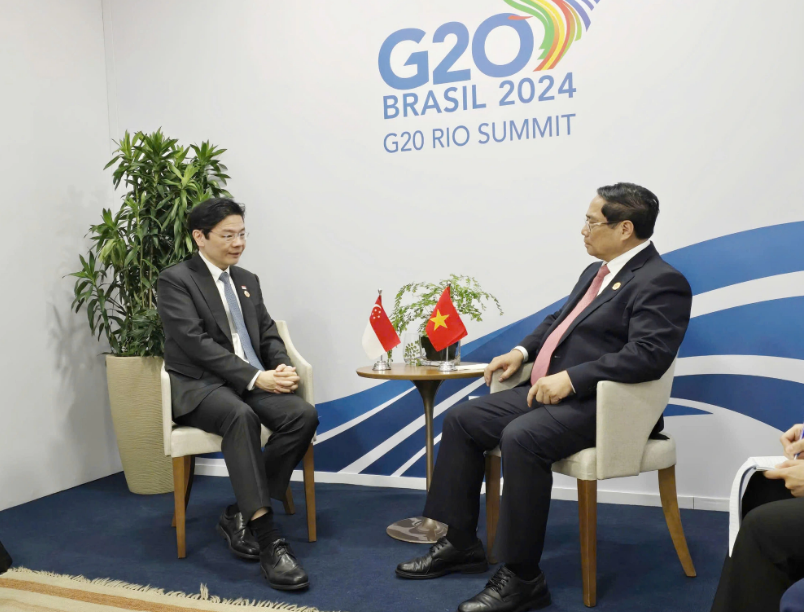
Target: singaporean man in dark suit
(229,374)
(624,321)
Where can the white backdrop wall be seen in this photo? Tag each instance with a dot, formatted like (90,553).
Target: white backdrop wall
(56,430)
(687,98)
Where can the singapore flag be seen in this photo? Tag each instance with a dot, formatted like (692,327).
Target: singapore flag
(380,336)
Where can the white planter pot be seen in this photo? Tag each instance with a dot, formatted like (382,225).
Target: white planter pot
(135,397)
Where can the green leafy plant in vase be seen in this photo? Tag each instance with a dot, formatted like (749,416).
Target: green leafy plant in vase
(116,284)
(414,303)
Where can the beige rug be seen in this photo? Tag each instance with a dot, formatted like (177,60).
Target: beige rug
(23,590)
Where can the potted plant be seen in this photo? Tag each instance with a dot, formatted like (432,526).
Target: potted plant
(117,285)
(414,303)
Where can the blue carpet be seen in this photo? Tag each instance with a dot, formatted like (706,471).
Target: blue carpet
(101,530)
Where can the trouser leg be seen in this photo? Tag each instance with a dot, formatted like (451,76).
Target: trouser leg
(530,445)
(768,555)
(469,429)
(292,422)
(224,413)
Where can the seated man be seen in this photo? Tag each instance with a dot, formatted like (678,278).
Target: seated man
(768,555)
(623,321)
(229,373)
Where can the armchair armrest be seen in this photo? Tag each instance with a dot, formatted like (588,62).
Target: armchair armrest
(167,409)
(303,368)
(520,376)
(626,414)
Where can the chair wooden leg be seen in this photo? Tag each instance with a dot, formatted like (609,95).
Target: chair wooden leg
(492,503)
(667,491)
(290,507)
(587,513)
(188,483)
(309,493)
(180,469)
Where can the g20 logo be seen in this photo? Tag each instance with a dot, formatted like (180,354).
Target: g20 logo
(443,72)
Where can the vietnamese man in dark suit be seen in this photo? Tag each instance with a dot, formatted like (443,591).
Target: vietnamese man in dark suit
(230,373)
(624,322)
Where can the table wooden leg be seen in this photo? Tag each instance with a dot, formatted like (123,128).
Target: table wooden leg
(420,529)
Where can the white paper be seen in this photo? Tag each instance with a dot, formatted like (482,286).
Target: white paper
(741,478)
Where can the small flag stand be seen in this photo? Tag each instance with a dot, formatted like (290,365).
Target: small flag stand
(381,365)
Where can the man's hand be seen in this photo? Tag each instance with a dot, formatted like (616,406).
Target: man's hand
(790,441)
(510,362)
(281,380)
(792,472)
(550,389)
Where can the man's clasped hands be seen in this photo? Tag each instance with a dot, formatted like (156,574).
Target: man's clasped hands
(281,380)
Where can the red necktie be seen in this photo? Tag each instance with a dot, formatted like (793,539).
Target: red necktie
(549,346)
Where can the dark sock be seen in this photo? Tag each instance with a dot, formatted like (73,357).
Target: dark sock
(264,530)
(525,571)
(232,510)
(462,540)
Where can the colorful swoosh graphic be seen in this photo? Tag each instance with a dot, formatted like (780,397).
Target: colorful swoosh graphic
(564,22)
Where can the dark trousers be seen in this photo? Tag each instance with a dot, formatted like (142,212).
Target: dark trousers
(768,555)
(256,475)
(5,559)
(531,440)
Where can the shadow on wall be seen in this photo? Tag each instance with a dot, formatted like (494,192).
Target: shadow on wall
(82,444)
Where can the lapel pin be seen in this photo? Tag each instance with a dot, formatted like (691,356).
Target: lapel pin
(247,294)
(614,287)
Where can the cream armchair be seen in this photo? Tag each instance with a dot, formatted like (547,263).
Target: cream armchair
(184,443)
(626,415)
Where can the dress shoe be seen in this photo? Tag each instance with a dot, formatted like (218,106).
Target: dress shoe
(280,568)
(505,592)
(239,537)
(443,559)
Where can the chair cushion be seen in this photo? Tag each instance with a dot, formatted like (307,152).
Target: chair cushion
(658,455)
(191,441)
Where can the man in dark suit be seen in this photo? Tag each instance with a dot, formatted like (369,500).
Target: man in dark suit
(229,373)
(623,321)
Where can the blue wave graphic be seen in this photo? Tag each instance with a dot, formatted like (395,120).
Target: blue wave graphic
(769,328)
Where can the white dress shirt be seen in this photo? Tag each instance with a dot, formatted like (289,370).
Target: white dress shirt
(615,265)
(216,276)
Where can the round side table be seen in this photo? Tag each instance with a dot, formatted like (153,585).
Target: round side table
(427,379)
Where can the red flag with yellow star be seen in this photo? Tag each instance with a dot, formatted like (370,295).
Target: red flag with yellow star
(445,326)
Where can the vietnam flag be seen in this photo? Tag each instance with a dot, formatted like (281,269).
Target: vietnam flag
(380,335)
(445,326)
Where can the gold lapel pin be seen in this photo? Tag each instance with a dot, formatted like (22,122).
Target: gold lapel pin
(615,286)
(247,294)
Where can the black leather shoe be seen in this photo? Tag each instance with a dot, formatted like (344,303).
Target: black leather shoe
(505,592)
(239,537)
(280,568)
(443,559)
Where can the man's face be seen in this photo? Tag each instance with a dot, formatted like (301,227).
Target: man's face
(602,241)
(225,243)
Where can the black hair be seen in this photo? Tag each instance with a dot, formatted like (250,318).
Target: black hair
(209,213)
(629,202)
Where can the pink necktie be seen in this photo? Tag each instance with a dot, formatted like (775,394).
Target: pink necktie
(549,346)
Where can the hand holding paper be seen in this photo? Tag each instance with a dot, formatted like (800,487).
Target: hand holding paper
(792,472)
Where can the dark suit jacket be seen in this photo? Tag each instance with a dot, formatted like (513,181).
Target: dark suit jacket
(630,333)
(199,354)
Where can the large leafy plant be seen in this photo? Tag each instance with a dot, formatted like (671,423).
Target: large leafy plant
(163,180)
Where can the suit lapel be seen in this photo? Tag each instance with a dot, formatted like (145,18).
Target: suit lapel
(623,278)
(206,284)
(248,309)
